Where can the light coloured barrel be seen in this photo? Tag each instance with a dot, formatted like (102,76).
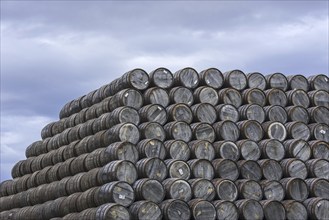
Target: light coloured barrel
(318,82)
(319,187)
(212,77)
(204,94)
(298,113)
(276,113)
(272,149)
(320,149)
(181,94)
(297,148)
(162,78)
(277,80)
(317,208)
(226,210)
(295,210)
(298,82)
(227,112)
(276,97)
(126,97)
(225,189)
(235,79)
(178,130)
(123,132)
(202,189)
(252,112)
(156,95)
(319,131)
(249,150)
(178,169)
(298,130)
(295,188)
(251,129)
(249,209)
(151,148)
(202,209)
(201,168)
(273,190)
(153,168)
(249,169)
(117,192)
(226,130)
(256,80)
(145,210)
(319,98)
(230,96)
(249,189)
(153,113)
(226,169)
(179,112)
(201,149)
(203,131)
(319,114)
(152,130)
(226,150)
(149,189)
(293,167)
(204,112)
(298,97)
(187,77)
(177,189)
(318,168)
(271,169)
(118,170)
(275,130)
(177,149)
(254,96)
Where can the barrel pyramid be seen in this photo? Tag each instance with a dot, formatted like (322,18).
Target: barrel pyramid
(183,145)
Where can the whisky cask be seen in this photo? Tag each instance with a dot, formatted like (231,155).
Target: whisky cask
(204,94)
(178,130)
(319,114)
(151,148)
(178,169)
(153,113)
(156,95)
(201,149)
(250,129)
(227,112)
(273,210)
(252,112)
(295,210)
(226,169)
(212,77)
(126,97)
(298,82)
(293,167)
(235,79)
(276,97)
(277,81)
(298,97)
(249,150)
(177,149)
(271,149)
(202,189)
(275,130)
(181,94)
(204,112)
(162,78)
(254,96)
(298,130)
(249,169)
(118,170)
(225,189)
(177,189)
(271,169)
(179,112)
(318,82)
(256,80)
(145,210)
(318,168)
(153,168)
(319,131)
(272,189)
(276,113)
(295,188)
(249,189)
(201,168)
(152,130)
(202,209)
(203,131)
(187,77)
(320,149)
(297,148)
(317,208)
(149,189)
(226,210)
(249,209)
(226,150)
(298,113)
(175,209)
(319,98)
(226,130)
(230,96)
(319,187)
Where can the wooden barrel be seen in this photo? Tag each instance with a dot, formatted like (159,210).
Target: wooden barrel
(120,151)
(319,187)
(201,168)
(273,190)
(34,149)
(123,132)
(161,77)
(78,164)
(249,169)
(256,80)
(178,130)
(117,192)
(177,189)
(71,150)
(275,130)
(225,189)
(187,77)
(227,112)
(252,112)
(318,82)
(126,97)
(249,150)
(271,169)
(226,169)
(297,148)
(251,129)
(298,82)
(249,189)
(178,169)
(201,149)
(293,167)
(319,114)
(205,94)
(277,81)
(112,211)
(235,79)
(298,97)
(319,98)
(151,148)
(226,150)
(73,185)
(273,210)
(177,149)
(318,168)
(156,95)
(202,189)
(298,130)
(203,131)
(320,149)
(46,131)
(179,112)
(118,170)
(212,77)
(152,130)
(254,96)
(249,209)
(202,209)
(295,210)
(3,187)
(181,94)
(175,209)
(153,113)
(149,189)
(204,112)
(272,149)
(145,210)
(298,113)
(230,96)
(276,97)
(226,130)
(317,208)
(226,210)
(153,168)
(276,113)
(295,188)
(15,171)
(319,131)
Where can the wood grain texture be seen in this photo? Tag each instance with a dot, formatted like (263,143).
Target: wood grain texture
(156,95)
(249,209)
(298,82)
(212,77)
(227,112)
(295,210)
(252,112)
(202,189)
(177,189)
(273,190)
(149,189)
(161,77)
(256,80)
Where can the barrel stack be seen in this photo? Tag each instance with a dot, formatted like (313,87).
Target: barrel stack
(183,145)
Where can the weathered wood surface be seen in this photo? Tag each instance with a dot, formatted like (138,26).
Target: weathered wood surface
(203,131)
(226,150)
(319,114)
(249,149)
(179,112)
(153,168)
(317,208)
(204,112)
(298,82)
(297,148)
(202,209)
(149,189)
(295,210)
(175,209)
(254,96)
(226,130)
(156,95)
(145,210)
(252,112)
(203,189)
(277,81)
(293,167)
(256,80)
(273,190)
(177,149)
(251,129)
(181,94)
(177,189)
(161,77)
(206,94)
(201,149)
(178,169)
(295,188)
(249,189)
(226,210)
(273,210)
(318,82)
(235,79)
(153,113)
(225,189)
(319,187)
(272,149)
(298,113)
(226,169)
(249,169)
(230,96)
(212,77)
(318,168)
(320,149)
(250,209)
(276,97)
(271,169)
(298,97)
(227,112)
(187,77)
(276,113)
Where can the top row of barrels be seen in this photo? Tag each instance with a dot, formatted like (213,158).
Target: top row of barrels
(188,77)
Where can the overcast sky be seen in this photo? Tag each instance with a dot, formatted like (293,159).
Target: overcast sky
(55,51)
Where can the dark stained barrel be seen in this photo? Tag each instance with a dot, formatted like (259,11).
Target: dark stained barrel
(297,148)
(275,130)
(319,131)
(117,192)
(320,149)
(273,190)
(177,189)
(202,189)
(256,80)
(226,130)
(202,209)
(181,94)
(118,170)
(175,209)
(226,210)
(318,168)
(249,169)
(273,210)
(295,188)
(178,130)
(319,98)
(225,189)
(272,149)
(295,210)
(319,114)
(230,96)
(271,169)
(298,97)
(277,81)
(153,113)
(251,129)
(318,82)
(119,151)
(145,210)
(276,97)
(151,148)
(47,130)
(293,167)
(317,208)
(187,77)
(252,112)
(249,189)
(205,94)
(212,77)
(178,169)
(112,211)
(179,112)
(276,113)
(226,150)
(298,130)
(254,96)
(203,131)
(161,77)
(226,169)
(235,79)
(122,132)
(149,189)
(250,209)
(156,95)
(201,149)
(152,130)
(298,113)
(204,112)
(177,149)
(319,187)
(201,168)
(126,97)
(298,82)
(249,150)
(153,168)
(227,112)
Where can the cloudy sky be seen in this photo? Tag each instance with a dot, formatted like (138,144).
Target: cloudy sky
(55,51)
